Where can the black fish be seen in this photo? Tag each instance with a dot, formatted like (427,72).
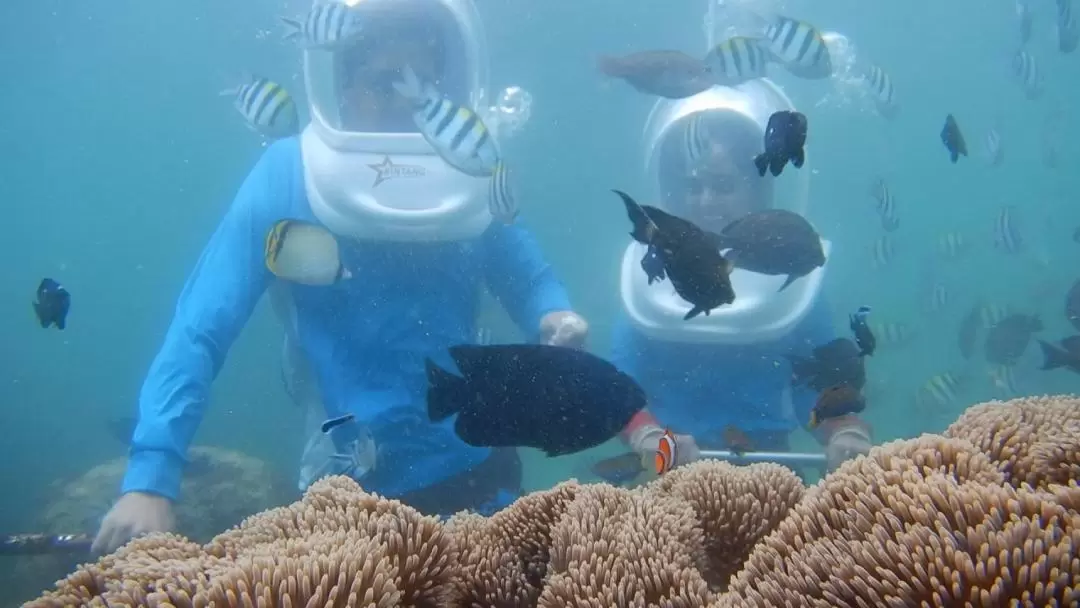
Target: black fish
(953,139)
(1072,305)
(1007,341)
(835,401)
(1067,355)
(559,400)
(785,137)
(653,265)
(333,423)
(670,74)
(691,259)
(969,332)
(837,362)
(773,242)
(52,304)
(863,336)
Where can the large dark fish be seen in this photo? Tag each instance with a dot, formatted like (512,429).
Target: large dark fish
(969,331)
(773,242)
(785,137)
(1072,305)
(1008,339)
(836,401)
(953,139)
(690,256)
(52,304)
(836,362)
(1067,355)
(558,400)
(670,74)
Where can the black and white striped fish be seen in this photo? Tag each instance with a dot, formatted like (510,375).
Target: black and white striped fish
(995,154)
(1007,235)
(328,25)
(939,297)
(266,106)
(882,253)
(696,140)
(952,244)
(456,133)
(886,205)
(501,201)
(881,87)
(737,60)
(1068,33)
(799,47)
(1028,75)
(1023,20)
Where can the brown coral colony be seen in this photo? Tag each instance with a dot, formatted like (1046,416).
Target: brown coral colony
(984,515)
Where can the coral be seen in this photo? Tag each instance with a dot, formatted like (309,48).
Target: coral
(221,487)
(337,542)
(1032,440)
(618,547)
(986,516)
(924,522)
(737,507)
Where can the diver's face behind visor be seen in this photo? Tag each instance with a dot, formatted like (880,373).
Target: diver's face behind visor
(722,185)
(351,89)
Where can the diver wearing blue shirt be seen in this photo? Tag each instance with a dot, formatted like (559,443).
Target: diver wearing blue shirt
(420,243)
(726,370)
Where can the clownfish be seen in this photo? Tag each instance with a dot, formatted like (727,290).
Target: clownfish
(666,453)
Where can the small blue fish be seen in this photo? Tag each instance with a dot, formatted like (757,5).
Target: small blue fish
(266,106)
(328,26)
(455,132)
(52,304)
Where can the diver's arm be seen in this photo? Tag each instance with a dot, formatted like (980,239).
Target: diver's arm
(213,307)
(521,279)
(818,328)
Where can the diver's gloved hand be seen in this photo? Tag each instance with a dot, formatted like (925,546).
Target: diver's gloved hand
(134,514)
(563,328)
(846,442)
(645,441)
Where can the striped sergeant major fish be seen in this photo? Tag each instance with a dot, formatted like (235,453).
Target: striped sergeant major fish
(737,60)
(940,390)
(995,154)
(881,87)
(266,106)
(1007,236)
(1026,71)
(886,205)
(799,47)
(501,201)
(328,25)
(1068,33)
(1024,20)
(456,133)
(697,142)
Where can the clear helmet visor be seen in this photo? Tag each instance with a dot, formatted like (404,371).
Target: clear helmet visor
(351,90)
(707,174)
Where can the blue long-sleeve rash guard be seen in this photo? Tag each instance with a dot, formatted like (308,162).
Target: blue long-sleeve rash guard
(700,389)
(365,337)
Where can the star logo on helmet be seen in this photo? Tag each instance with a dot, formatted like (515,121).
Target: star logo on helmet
(387,170)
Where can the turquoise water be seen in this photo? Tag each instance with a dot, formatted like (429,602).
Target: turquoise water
(121,158)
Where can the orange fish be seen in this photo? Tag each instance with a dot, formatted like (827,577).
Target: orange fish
(835,401)
(737,441)
(666,453)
